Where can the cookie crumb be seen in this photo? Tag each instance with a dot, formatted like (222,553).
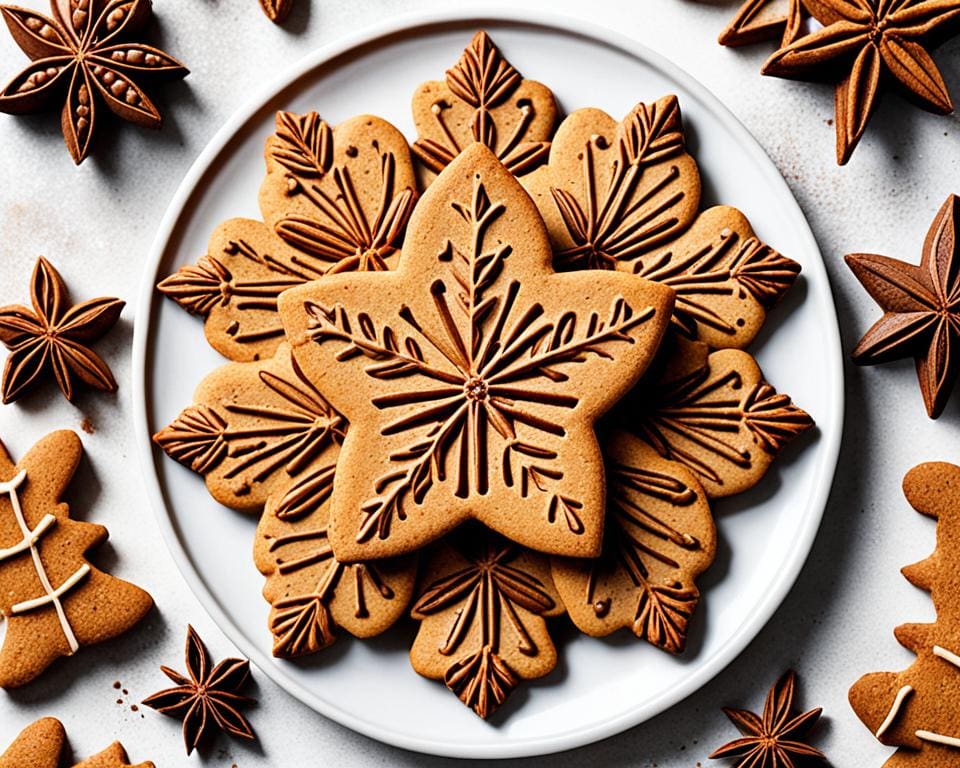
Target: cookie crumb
(87,426)
(116,685)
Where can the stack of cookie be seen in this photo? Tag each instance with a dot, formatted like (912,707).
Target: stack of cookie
(484,380)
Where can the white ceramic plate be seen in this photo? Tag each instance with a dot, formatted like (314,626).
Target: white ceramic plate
(600,687)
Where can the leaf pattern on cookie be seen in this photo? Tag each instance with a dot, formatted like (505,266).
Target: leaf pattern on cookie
(659,538)
(311,593)
(253,427)
(715,414)
(626,196)
(482,611)
(484,99)
(472,371)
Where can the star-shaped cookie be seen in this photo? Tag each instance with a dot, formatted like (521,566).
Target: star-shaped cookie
(472,375)
(921,309)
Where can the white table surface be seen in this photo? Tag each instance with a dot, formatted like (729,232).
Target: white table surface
(96,224)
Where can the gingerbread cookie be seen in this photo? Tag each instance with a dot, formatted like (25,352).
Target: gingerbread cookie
(483,99)
(53,599)
(626,196)
(715,414)
(483,608)
(916,709)
(472,375)
(312,594)
(254,428)
(40,745)
(114,756)
(334,200)
(659,538)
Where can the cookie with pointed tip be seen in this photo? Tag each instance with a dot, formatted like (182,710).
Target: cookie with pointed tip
(39,745)
(53,599)
(54,337)
(761,20)
(862,45)
(84,58)
(311,593)
(626,196)
(482,609)
(254,429)
(483,99)
(714,413)
(916,709)
(921,308)
(114,756)
(659,538)
(472,375)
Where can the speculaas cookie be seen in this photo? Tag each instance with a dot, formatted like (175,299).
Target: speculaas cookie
(862,44)
(714,413)
(333,200)
(254,428)
(482,608)
(916,709)
(777,738)
(207,698)
(659,537)
(483,99)
(472,375)
(921,308)
(54,337)
(312,594)
(41,745)
(626,196)
(55,602)
(83,57)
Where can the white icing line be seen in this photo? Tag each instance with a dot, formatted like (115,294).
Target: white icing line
(10,488)
(39,602)
(28,541)
(946,655)
(937,738)
(894,710)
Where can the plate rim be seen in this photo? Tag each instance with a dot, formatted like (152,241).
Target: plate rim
(407,24)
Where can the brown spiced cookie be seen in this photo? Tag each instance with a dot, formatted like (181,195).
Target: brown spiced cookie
(53,599)
(659,538)
(41,745)
(916,709)
(483,604)
(716,414)
(254,428)
(334,200)
(626,196)
(472,375)
(483,99)
(312,594)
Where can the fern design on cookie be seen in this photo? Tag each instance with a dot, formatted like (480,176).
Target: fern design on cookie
(916,710)
(55,602)
(464,373)
(482,614)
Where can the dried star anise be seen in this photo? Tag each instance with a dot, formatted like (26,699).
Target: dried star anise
(55,336)
(206,699)
(83,50)
(773,740)
(276,10)
(865,40)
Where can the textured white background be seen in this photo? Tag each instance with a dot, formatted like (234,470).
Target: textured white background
(96,223)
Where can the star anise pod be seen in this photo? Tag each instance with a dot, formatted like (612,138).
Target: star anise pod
(866,40)
(773,740)
(84,52)
(759,20)
(55,336)
(921,308)
(207,698)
